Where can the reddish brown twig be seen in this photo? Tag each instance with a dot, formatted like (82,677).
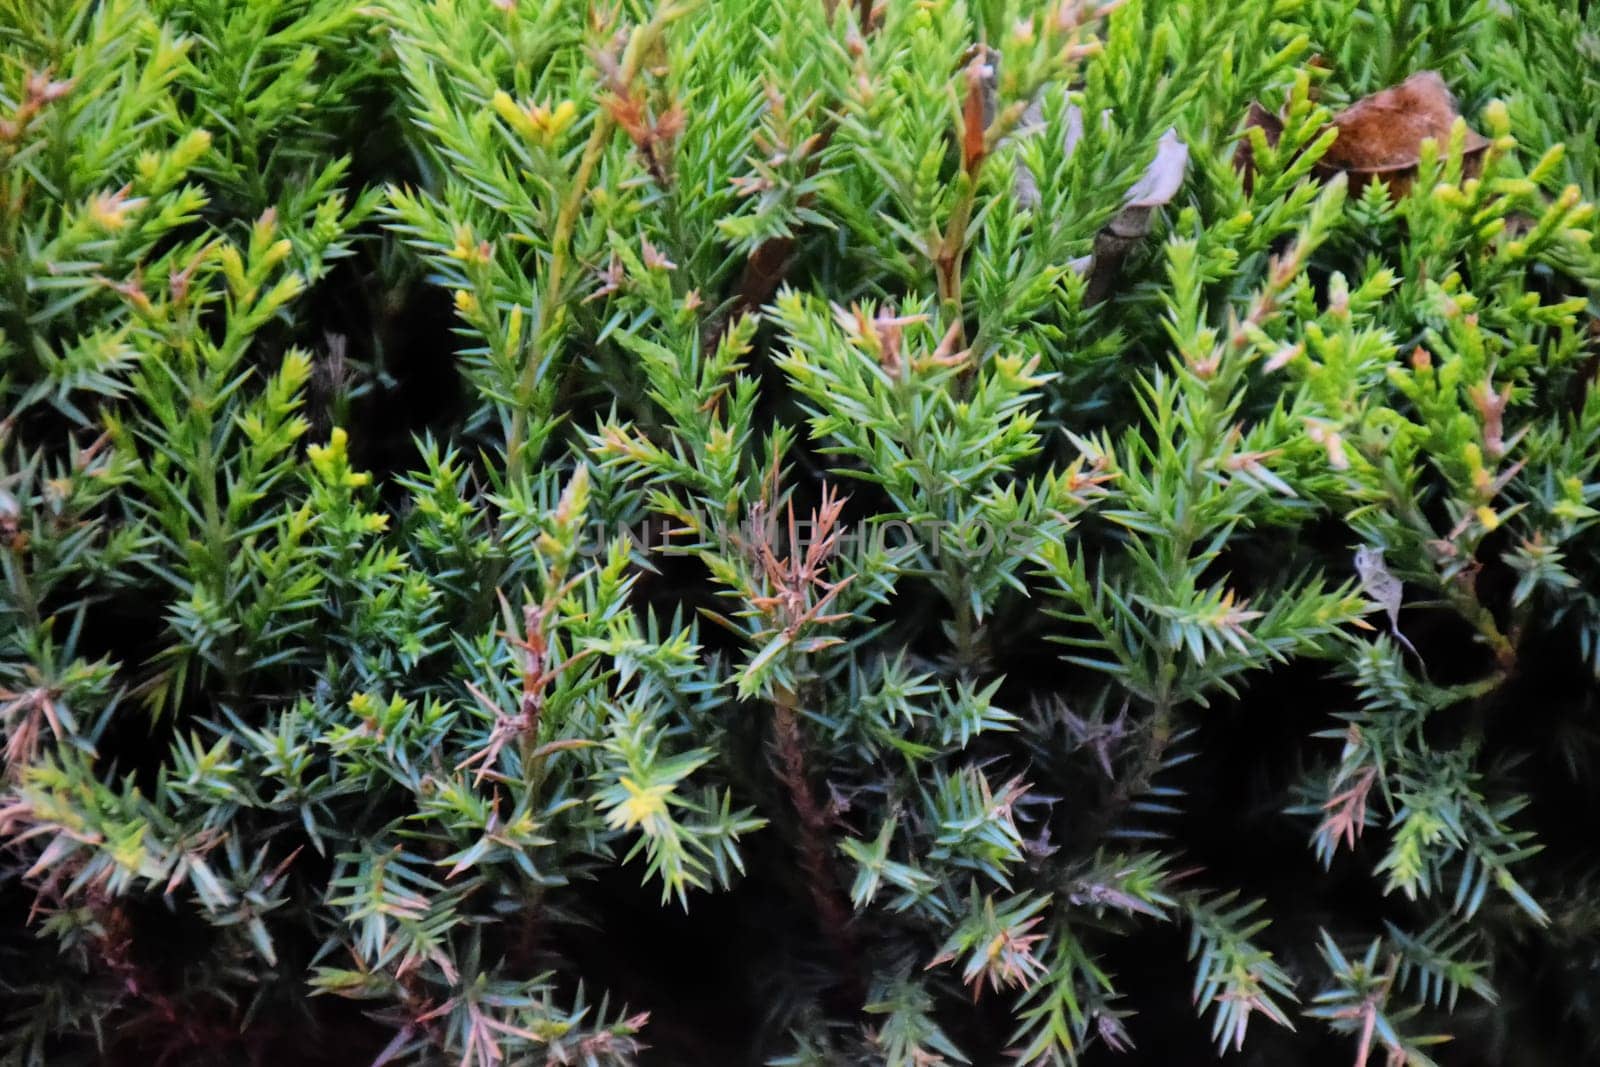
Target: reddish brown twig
(814,824)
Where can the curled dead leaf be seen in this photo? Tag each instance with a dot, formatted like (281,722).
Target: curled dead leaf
(1155,188)
(977,111)
(1380,136)
(1271,127)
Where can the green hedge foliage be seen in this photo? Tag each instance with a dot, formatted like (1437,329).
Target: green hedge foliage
(917,517)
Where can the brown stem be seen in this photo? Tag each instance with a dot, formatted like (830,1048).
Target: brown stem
(947,264)
(763,272)
(864,15)
(816,862)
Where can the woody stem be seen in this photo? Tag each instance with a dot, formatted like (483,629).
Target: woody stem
(833,913)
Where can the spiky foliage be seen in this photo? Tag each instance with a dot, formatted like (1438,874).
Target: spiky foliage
(914,466)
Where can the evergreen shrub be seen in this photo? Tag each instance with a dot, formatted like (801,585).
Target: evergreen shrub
(799,533)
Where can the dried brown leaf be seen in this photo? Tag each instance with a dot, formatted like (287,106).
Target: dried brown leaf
(1380,136)
(1271,127)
